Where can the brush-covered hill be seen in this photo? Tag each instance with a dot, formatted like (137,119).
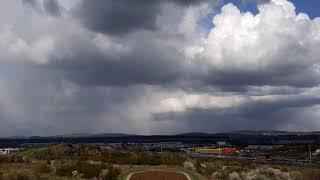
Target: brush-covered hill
(69,151)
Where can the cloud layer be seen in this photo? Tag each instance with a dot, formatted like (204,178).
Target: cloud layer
(151,67)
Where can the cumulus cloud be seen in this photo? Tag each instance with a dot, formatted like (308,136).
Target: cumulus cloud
(275,46)
(84,66)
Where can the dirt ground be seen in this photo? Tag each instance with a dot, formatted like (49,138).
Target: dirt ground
(158,175)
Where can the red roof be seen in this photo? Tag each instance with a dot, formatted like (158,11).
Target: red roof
(229,150)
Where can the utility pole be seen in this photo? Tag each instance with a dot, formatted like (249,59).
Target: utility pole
(310,158)
(219,171)
(310,161)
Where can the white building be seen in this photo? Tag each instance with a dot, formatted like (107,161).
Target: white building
(316,152)
(6,151)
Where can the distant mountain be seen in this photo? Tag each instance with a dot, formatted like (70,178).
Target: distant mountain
(191,134)
(16,137)
(194,134)
(271,132)
(95,135)
(112,135)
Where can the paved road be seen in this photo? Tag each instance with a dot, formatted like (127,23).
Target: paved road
(25,157)
(185,174)
(255,159)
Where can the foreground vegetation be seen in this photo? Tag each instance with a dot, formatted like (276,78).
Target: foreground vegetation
(70,161)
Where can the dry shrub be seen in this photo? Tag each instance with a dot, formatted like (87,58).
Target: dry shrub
(20,176)
(266,173)
(112,174)
(87,168)
(189,166)
(295,175)
(42,168)
(70,151)
(65,169)
(310,173)
(234,176)
(218,175)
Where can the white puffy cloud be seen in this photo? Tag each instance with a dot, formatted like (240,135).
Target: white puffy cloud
(276,37)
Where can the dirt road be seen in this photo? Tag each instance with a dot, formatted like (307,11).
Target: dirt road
(158,175)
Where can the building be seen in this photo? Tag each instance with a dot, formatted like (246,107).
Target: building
(262,147)
(317,152)
(217,151)
(7,151)
(222,143)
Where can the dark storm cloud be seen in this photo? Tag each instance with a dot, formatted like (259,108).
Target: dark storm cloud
(100,64)
(147,63)
(189,2)
(204,120)
(5,121)
(287,76)
(256,1)
(126,72)
(52,7)
(57,106)
(263,1)
(263,109)
(256,115)
(30,2)
(118,17)
(122,16)
(152,63)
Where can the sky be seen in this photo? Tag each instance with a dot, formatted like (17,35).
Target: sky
(158,66)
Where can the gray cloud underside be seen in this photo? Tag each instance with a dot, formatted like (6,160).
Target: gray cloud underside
(256,115)
(120,17)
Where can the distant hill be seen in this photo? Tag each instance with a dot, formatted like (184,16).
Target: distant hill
(112,135)
(235,137)
(190,134)
(194,134)
(95,135)
(251,133)
(271,133)
(68,150)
